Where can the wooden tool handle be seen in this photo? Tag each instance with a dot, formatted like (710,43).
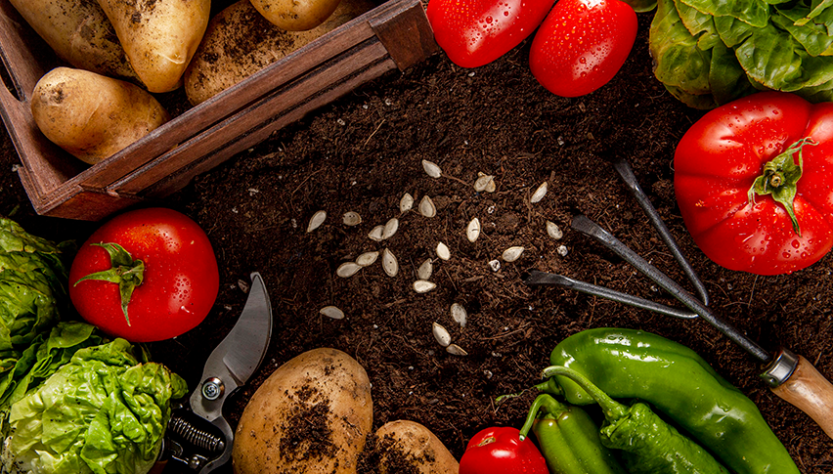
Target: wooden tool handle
(808,390)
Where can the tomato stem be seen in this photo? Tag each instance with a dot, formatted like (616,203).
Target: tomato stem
(780,179)
(124,271)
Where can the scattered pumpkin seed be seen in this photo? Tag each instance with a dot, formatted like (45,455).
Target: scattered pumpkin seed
(390,228)
(406,203)
(423,286)
(352,218)
(539,193)
(473,230)
(432,169)
(389,263)
(562,250)
(441,334)
(443,252)
(367,259)
(491,187)
(512,253)
(482,182)
(376,233)
(554,231)
(316,220)
(494,265)
(454,349)
(348,269)
(425,270)
(459,314)
(332,312)
(426,207)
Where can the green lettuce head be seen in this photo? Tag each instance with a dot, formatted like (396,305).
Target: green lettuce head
(103,412)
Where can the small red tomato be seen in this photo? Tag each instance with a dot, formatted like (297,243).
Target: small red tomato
(146,275)
(476,32)
(500,451)
(581,45)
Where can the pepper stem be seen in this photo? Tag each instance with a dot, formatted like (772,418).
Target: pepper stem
(612,409)
(780,178)
(124,271)
(542,402)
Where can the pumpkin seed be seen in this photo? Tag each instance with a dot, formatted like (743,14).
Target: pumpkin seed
(426,207)
(512,253)
(454,349)
(332,312)
(406,203)
(352,218)
(539,193)
(443,252)
(459,314)
(554,231)
(491,187)
(367,259)
(562,250)
(482,182)
(432,169)
(423,286)
(389,263)
(348,269)
(441,334)
(316,220)
(473,230)
(390,228)
(494,265)
(376,233)
(425,270)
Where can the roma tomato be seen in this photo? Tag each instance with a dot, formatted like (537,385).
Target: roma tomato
(754,183)
(581,45)
(500,450)
(476,32)
(146,275)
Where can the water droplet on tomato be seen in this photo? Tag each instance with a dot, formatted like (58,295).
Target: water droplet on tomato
(795,243)
(786,255)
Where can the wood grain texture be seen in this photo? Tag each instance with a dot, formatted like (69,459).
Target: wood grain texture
(810,392)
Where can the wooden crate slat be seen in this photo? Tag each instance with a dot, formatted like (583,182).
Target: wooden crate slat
(87,205)
(406,34)
(284,99)
(21,50)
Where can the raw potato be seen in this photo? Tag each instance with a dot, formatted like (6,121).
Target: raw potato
(311,416)
(159,36)
(79,33)
(409,442)
(240,42)
(296,15)
(93,116)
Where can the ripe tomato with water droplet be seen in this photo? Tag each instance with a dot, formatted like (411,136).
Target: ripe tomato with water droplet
(179,277)
(581,45)
(474,33)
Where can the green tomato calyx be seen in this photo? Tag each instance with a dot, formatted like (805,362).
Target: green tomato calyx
(780,179)
(124,271)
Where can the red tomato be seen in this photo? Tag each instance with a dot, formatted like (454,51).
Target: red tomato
(476,32)
(717,163)
(500,451)
(171,294)
(581,45)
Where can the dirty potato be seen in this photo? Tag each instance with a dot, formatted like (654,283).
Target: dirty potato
(79,33)
(296,15)
(159,36)
(240,42)
(311,416)
(407,446)
(93,116)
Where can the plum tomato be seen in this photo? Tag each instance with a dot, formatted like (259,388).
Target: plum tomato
(145,275)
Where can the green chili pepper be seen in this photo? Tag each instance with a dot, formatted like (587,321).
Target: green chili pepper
(673,379)
(568,438)
(648,444)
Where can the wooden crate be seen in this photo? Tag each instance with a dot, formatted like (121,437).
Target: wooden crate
(393,35)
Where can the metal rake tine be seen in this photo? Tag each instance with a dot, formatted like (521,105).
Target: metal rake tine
(587,227)
(539,278)
(625,171)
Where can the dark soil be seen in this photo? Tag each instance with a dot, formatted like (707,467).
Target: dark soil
(363,152)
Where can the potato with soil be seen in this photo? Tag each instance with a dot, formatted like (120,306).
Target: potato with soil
(240,42)
(159,36)
(407,446)
(79,33)
(311,416)
(93,116)
(296,15)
